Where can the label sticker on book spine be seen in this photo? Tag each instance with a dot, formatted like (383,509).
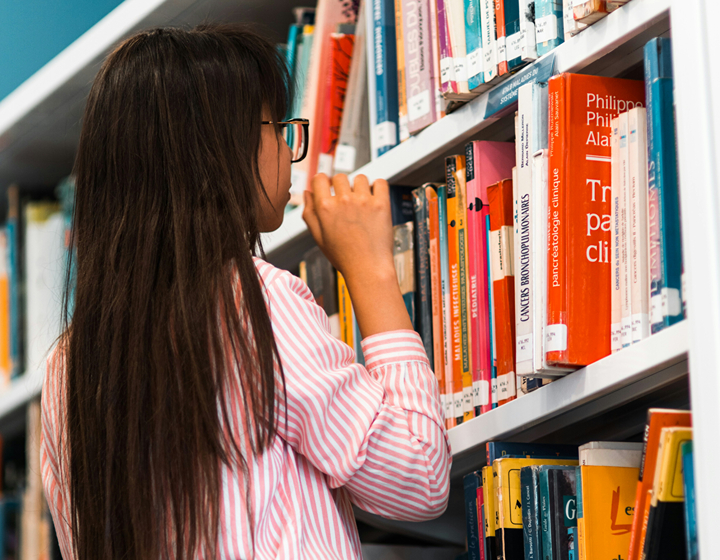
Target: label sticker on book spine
(640,327)
(447,74)
(494,392)
(524,349)
(484,396)
(546,29)
(345,158)
(672,305)
(615,330)
(514,46)
(458,404)
(475,62)
(501,49)
(467,400)
(656,309)
(449,412)
(325,164)
(556,338)
(419,105)
(626,332)
(385,134)
(460,67)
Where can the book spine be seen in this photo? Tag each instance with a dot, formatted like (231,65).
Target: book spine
(491,315)
(477,264)
(528,43)
(625,297)
(436,79)
(501,242)
(470,486)
(513,35)
(484,552)
(545,522)
(418,62)
(689,491)
(369,9)
(5,361)
(436,299)
(528,513)
(455,345)
(446,311)
(616,242)
(489,511)
(385,128)
(589,11)
(403,253)
(454,12)
(556,330)
(525,237)
(548,25)
(448,81)
(423,303)
(465,327)
(570,26)
(665,235)
(639,282)
(403,130)
(501,37)
(473,40)
(489,39)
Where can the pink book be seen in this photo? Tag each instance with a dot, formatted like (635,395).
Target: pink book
(486,163)
(419,71)
(447,67)
(328,14)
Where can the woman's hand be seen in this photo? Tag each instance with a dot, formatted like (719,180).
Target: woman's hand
(353,228)
(354,231)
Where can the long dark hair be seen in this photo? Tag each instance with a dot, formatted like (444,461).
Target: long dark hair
(167,294)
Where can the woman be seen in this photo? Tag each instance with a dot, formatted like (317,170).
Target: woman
(196,405)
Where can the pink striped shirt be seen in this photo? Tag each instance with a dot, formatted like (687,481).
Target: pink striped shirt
(371,436)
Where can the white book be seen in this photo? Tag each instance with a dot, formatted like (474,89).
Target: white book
(610,454)
(639,280)
(528,44)
(570,26)
(371,79)
(489,39)
(615,241)
(44,276)
(625,298)
(455,13)
(524,234)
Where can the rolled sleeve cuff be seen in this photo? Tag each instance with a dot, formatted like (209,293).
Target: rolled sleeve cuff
(393,347)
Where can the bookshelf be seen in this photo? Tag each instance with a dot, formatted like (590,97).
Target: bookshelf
(39,127)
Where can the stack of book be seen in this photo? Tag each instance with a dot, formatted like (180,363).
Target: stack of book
(423,58)
(600,500)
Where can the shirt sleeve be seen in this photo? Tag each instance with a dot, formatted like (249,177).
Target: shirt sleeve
(376,431)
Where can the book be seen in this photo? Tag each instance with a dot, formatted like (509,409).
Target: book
(607,495)
(402,206)
(665,536)
(501,449)
(500,198)
(611,454)
(500,33)
(419,70)
(532,542)
(471,483)
(489,511)
(486,163)
(423,291)
(473,43)
(484,552)
(638,239)
(443,231)
(455,17)
(438,335)
(528,42)
(452,166)
(44,266)
(579,304)
(403,132)
(589,11)
(489,40)
(437,80)
(404,256)
(5,359)
(663,198)
(548,25)
(338,68)
(382,77)
(558,509)
(322,281)
(448,82)
(571,26)
(617,278)
(657,419)
(688,470)
(353,148)
(621,124)
(513,35)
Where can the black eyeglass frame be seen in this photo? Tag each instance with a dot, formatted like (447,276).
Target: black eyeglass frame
(306,133)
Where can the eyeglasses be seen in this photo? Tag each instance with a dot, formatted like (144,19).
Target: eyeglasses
(295,132)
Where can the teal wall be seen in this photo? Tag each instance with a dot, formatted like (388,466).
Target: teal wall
(32,32)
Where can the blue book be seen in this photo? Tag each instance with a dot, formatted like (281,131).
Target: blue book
(548,25)
(385,122)
(557,509)
(473,44)
(666,261)
(13,229)
(402,207)
(544,494)
(579,505)
(686,448)
(471,482)
(531,512)
(499,449)
(294,32)
(513,35)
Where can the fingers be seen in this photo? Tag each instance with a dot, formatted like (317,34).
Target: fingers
(341,184)
(311,218)
(361,185)
(320,187)
(381,189)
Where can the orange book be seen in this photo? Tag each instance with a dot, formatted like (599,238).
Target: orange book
(436,289)
(454,261)
(338,70)
(500,198)
(579,184)
(501,38)
(658,419)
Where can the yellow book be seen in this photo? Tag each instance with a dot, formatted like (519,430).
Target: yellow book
(489,502)
(608,506)
(346,314)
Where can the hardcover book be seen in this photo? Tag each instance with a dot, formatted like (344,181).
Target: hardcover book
(688,470)
(528,43)
(532,542)
(548,25)
(473,40)
(423,292)
(579,179)
(489,511)
(450,412)
(455,16)
(558,506)
(501,37)
(448,82)
(489,40)
(419,70)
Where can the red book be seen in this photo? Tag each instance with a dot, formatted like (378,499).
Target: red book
(579,188)
(340,52)
(501,38)
(500,196)
(486,163)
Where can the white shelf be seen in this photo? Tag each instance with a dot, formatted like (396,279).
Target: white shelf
(606,48)
(20,392)
(622,377)
(40,120)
